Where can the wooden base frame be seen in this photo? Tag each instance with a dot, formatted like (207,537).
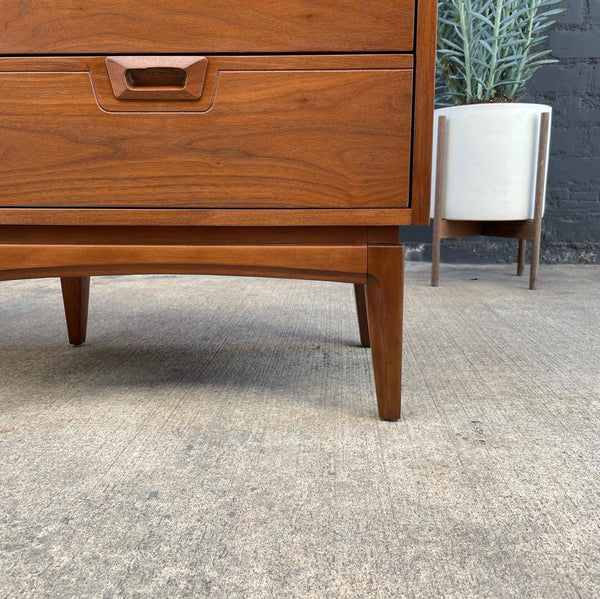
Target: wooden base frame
(523,230)
(368,257)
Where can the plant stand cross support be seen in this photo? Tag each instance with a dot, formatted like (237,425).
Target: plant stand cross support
(522,230)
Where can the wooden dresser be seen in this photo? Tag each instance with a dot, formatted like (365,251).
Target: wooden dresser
(238,137)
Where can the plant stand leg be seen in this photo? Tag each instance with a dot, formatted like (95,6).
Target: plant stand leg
(535,257)
(521,259)
(540,186)
(360,292)
(435,253)
(76,295)
(439,190)
(385,295)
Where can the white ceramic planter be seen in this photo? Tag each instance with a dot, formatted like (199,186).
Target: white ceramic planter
(491,161)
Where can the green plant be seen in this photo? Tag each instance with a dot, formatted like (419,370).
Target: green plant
(488,49)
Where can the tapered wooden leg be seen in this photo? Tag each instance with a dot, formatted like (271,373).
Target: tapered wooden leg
(535,256)
(521,259)
(435,253)
(439,192)
(76,294)
(385,295)
(360,293)
(540,186)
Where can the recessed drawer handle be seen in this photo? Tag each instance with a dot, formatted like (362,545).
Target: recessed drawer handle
(157,77)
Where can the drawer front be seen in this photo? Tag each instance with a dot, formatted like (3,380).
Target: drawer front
(190,26)
(270,132)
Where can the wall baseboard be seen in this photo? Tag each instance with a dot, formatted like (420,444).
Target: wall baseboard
(486,251)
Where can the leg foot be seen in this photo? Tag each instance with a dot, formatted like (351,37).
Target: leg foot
(76,294)
(521,259)
(360,293)
(385,294)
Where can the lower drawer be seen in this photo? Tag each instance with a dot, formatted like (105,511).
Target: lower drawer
(259,132)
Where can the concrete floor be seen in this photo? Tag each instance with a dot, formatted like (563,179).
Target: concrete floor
(218,438)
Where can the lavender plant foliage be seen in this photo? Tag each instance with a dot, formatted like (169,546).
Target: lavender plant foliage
(489,49)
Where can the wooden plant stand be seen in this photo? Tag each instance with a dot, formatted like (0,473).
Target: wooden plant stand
(523,230)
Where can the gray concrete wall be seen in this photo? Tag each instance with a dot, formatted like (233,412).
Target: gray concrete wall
(572,87)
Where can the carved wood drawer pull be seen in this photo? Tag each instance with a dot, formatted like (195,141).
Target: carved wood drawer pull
(157,77)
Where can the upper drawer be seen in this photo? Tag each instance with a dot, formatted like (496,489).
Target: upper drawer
(191,26)
(263,132)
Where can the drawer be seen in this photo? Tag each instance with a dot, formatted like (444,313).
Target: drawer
(190,26)
(262,132)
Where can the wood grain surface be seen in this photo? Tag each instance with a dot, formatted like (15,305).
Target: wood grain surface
(76,298)
(105,96)
(189,26)
(165,235)
(208,217)
(424,91)
(385,305)
(360,294)
(268,139)
(331,263)
(133,177)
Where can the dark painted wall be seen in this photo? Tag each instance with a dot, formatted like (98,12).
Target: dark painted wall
(572,87)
